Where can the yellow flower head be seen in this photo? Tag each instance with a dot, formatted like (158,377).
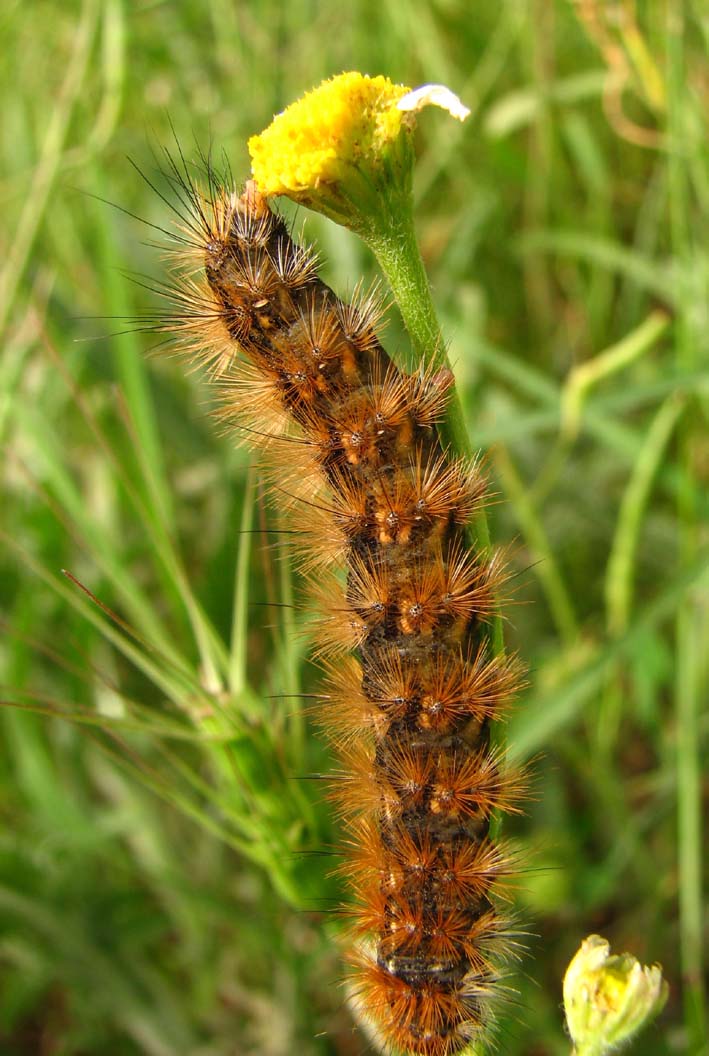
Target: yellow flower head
(346,148)
(608,999)
(348,120)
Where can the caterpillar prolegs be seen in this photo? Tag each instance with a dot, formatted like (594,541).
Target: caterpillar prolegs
(413,687)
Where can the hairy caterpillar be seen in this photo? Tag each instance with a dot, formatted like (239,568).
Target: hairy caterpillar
(411,684)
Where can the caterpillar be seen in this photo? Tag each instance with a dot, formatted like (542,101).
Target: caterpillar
(411,685)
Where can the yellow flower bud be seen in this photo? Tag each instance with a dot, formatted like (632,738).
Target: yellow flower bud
(608,999)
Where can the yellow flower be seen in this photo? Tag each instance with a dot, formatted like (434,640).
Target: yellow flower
(346,149)
(608,999)
(347,120)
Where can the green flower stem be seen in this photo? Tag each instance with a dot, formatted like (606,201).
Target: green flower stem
(393,241)
(392,238)
(396,248)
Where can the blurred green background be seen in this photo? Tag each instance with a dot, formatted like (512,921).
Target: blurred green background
(165,864)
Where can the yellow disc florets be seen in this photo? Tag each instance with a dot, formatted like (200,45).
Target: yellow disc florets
(346,121)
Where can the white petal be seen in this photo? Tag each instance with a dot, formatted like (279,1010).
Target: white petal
(434,95)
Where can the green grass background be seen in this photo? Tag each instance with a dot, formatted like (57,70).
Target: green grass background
(164,860)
